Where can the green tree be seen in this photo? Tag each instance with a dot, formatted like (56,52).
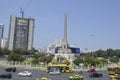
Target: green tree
(4,51)
(114,59)
(49,59)
(117,53)
(35,61)
(110,52)
(42,58)
(89,61)
(30,52)
(15,57)
(78,60)
(100,53)
(36,55)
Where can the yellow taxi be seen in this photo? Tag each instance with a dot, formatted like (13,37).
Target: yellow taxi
(111,72)
(76,77)
(44,78)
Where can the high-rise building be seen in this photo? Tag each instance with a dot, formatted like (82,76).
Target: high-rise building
(3,42)
(1,32)
(21,31)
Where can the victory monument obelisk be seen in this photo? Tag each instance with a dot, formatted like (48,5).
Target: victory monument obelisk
(65,47)
(65,51)
(65,43)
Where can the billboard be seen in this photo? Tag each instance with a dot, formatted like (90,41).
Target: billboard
(75,50)
(23,22)
(78,50)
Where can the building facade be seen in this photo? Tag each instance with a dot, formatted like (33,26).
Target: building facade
(21,31)
(1,32)
(3,42)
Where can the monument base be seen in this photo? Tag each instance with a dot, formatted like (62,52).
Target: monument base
(69,57)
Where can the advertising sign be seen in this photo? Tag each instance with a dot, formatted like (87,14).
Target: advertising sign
(22,22)
(75,50)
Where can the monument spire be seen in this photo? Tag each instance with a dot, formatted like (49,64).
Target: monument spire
(65,31)
(64,42)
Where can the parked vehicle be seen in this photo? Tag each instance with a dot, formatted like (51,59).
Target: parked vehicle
(11,69)
(91,70)
(6,75)
(25,73)
(95,74)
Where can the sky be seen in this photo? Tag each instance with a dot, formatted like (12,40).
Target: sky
(91,24)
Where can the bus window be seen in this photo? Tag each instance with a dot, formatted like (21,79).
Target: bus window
(67,68)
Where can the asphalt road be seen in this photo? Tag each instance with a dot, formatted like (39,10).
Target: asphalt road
(36,73)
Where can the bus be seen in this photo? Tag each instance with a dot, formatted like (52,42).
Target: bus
(63,68)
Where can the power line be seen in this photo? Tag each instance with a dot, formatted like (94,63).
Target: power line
(25,8)
(28,5)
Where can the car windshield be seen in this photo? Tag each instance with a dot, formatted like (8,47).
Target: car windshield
(25,71)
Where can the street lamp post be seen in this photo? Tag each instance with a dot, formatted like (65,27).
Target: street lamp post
(92,50)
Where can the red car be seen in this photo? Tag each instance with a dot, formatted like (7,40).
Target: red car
(91,70)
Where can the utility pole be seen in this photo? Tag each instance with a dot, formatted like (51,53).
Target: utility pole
(93,54)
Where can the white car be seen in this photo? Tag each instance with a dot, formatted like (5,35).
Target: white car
(25,73)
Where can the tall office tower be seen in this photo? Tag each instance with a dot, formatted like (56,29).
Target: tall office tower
(3,42)
(1,32)
(21,31)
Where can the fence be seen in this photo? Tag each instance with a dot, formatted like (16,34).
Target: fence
(42,66)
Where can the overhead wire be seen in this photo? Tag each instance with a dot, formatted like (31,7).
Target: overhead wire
(25,8)
(27,5)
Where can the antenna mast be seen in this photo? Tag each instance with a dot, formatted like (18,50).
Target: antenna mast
(22,12)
